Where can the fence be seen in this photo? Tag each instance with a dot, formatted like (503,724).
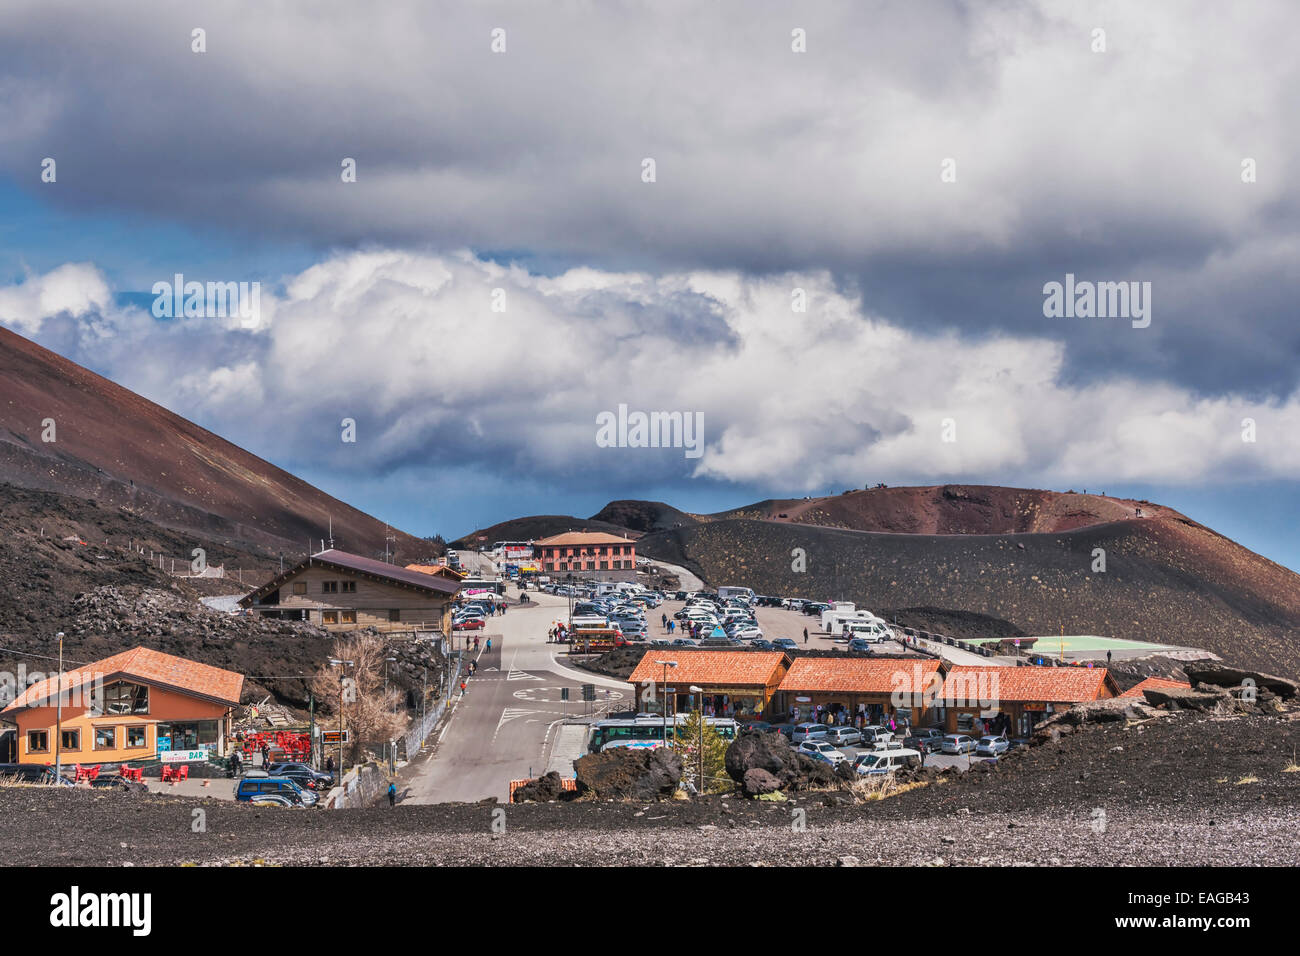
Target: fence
(417,735)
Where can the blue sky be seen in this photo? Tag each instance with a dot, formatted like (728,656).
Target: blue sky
(776,171)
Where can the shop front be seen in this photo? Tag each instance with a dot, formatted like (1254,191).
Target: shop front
(860,692)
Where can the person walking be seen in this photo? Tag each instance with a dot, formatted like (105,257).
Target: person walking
(234,763)
(462,688)
(489,645)
(805,635)
(664,619)
(392,794)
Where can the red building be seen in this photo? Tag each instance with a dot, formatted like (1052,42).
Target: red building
(587,554)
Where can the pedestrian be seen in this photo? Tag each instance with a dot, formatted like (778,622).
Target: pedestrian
(462,688)
(329,765)
(1108,658)
(476,643)
(489,644)
(664,618)
(805,635)
(392,794)
(234,763)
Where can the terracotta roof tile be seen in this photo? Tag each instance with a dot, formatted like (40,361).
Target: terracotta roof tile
(1154,682)
(1059,685)
(573,538)
(726,668)
(857,675)
(147,666)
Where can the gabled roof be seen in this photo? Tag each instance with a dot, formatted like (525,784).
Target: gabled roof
(576,538)
(858,675)
(146,666)
(368,567)
(1162,683)
(728,668)
(445,570)
(967,684)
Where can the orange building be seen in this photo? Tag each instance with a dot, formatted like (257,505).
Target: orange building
(136,705)
(732,683)
(1155,683)
(973,694)
(877,688)
(587,554)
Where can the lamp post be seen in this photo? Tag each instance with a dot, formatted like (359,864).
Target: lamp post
(700,691)
(58,719)
(387,661)
(666,665)
(341,665)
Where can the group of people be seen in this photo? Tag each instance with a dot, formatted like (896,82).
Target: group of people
(840,716)
(557,633)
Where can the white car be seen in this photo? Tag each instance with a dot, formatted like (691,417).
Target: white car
(957,744)
(822,751)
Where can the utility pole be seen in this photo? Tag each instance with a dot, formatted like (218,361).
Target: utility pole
(58,720)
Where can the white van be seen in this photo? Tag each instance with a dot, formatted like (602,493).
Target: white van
(886,761)
(745,594)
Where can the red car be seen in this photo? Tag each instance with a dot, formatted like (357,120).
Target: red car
(470,624)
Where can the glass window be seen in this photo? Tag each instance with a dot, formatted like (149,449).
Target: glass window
(349,587)
(347,617)
(105,738)
(394,614)
(38,741)
(72,740)
(329,587)
(329,617)
(125,698)
(299,587)
(136,737)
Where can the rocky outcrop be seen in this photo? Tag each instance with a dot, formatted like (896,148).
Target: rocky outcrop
(543,789)
(773,754)
(1234,678)
(629,773)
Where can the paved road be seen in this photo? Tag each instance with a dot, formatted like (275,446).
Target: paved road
(506,724)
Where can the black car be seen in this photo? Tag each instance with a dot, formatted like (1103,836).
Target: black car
(302,775)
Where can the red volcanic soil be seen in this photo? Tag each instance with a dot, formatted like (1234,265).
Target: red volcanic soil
(121,450)
(951,509)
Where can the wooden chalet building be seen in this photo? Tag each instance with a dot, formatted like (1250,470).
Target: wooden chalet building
(345,592)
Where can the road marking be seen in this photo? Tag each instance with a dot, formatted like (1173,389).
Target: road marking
(520,675)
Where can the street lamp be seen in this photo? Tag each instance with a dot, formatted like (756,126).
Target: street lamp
(700,778)
(58,720)
(666,665)
(341,664)
(387,661)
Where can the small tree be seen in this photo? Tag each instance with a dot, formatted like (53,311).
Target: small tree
(370,713)
(686,741)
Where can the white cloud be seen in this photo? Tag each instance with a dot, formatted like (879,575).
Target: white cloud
(76,288)
(407,344)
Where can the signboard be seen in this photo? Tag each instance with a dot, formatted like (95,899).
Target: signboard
(589,692)
(803,700)
(564,693)
(332,736)
(184,756)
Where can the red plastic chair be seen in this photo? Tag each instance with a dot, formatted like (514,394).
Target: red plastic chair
(167,772)
(93,773)
(184,772)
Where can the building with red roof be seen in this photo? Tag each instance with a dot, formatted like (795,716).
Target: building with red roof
(132,706)
(1155,683)
(737,684)
(973,695)
(875,688)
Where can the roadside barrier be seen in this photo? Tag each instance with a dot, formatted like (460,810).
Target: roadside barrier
(568,783)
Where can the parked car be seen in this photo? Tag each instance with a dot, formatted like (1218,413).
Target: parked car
(924,739)
(860,644)
(683,642)
(34,773)
(756,727)
(469,624)
(880,738)
(821,750)
(762,644)
(992,746)
(809,731)
(886,761)
(843,736)
(786,644)
(302,775)
(787,729)
(252,789)
(957,744)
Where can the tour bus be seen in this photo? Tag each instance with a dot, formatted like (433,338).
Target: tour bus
(647,730)
(745,594)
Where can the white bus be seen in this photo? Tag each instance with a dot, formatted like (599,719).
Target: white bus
(745,594)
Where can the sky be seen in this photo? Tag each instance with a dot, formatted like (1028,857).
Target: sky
(827,231)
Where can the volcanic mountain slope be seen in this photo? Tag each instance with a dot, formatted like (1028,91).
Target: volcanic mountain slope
(950,509)
(1167,580)
(644,515)
(121,450)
